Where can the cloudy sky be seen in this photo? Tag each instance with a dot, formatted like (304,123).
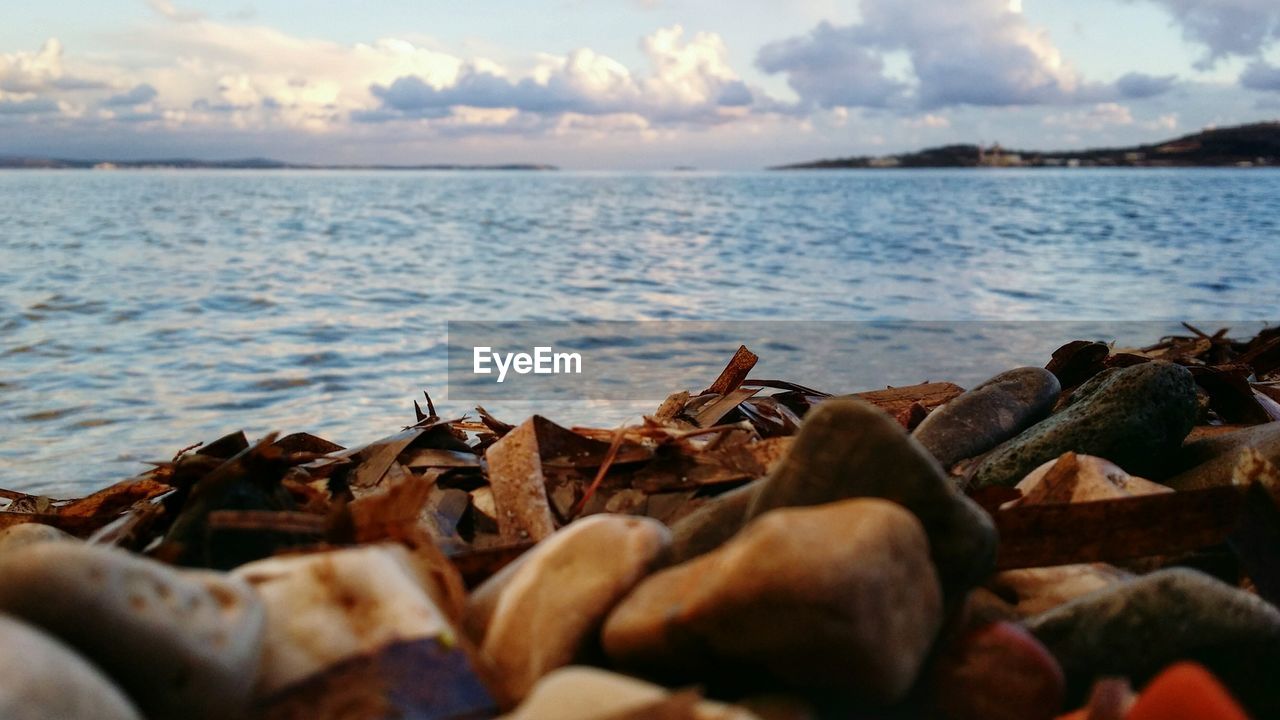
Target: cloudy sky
(622,83)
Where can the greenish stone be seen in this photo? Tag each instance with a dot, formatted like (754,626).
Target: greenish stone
(1136,417)
(1138,628)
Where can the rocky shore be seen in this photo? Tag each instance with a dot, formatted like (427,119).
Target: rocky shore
(1098,539)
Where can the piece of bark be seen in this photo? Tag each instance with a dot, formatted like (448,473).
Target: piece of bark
(1077,361)
(376,458)
(1201,432)
(1230,394)
(306,442)
(711,413)
(671,407)
(1109,530)
(1263,355)
(115,499)
(896,400)
(735,372)
(519,485)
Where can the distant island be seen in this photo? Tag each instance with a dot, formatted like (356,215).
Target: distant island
(1254,145)
(39,163)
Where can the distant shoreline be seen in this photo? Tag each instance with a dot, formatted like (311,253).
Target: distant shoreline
(1254,145)
(35,163)
(1245,146)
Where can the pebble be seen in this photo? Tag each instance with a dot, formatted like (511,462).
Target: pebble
(588,693)
(1081,478)
(838,597)
(1137,628)
(1135,417)
(998,672)
(40,678)
(848,448)
(23,535)
(1036,590)
(323,608)
(544,611)
(1210,462)
(182,643)
(708,527)
(989,414)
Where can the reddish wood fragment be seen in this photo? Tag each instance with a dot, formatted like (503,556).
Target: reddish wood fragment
(1200,432)
(115,499)
(929,395)
(735,372)
(1109,530)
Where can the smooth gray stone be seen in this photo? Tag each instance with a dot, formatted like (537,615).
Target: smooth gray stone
(989,414)
(40,679)
(1138,628)
(1136,417)
(182,643)
(848,448)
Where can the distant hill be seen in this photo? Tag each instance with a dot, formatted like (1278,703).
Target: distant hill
(36,163)
(1252,145)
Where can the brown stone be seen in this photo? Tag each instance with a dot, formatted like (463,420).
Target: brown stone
(545,609)
(839,597)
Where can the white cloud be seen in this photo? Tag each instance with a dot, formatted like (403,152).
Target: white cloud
(928,120)
(963,52)
(1098,117)
(137,95)
(1226,27)
(40,71)
(687,80)
(831,67)
(192,73)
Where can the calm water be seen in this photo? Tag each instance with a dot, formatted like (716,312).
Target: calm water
(143,311)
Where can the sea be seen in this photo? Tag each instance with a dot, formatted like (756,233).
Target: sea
(144,311)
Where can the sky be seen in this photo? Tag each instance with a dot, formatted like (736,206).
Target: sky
(622,84)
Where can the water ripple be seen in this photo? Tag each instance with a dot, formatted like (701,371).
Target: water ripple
(140,312)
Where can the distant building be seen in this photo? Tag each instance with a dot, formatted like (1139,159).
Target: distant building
(106,166)
(995,156)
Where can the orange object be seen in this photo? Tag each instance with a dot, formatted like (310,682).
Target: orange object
(1186,691)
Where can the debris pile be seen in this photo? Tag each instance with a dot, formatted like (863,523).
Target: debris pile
(1098,537)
